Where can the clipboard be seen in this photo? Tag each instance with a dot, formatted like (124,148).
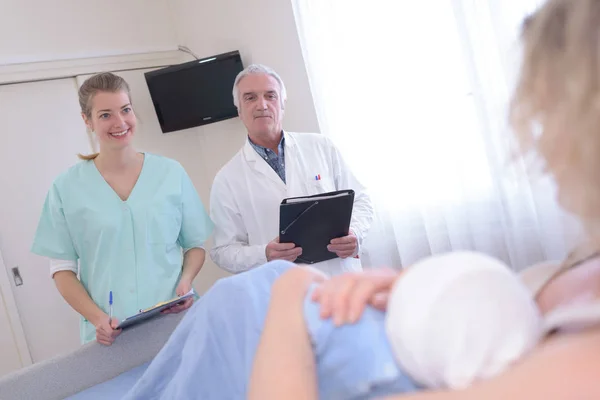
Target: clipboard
(153,311)
(311,222)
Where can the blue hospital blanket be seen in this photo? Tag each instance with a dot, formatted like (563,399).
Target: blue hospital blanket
(210,354)
(113,388)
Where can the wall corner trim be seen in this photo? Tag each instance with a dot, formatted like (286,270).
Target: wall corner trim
(71,67)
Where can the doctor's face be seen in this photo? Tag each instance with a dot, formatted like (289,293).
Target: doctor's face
(261,107)
(112,119)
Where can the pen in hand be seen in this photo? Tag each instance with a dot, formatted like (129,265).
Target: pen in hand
(110,307)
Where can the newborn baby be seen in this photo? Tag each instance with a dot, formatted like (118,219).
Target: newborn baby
(460,317)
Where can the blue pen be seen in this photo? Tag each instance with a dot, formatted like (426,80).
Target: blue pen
(110,302)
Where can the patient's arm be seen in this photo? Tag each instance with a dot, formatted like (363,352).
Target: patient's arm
(284,366)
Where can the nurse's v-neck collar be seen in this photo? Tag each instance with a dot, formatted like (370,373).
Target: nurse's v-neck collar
(105,184)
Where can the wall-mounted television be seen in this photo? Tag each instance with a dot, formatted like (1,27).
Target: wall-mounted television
(194,93)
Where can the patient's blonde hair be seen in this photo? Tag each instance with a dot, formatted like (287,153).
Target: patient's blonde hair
(104,82)
(555,110)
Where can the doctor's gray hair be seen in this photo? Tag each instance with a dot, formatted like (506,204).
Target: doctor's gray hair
(258,69)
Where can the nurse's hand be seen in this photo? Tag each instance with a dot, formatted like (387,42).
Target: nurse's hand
(183,288)
(105,332)
(344,247)
(282,251)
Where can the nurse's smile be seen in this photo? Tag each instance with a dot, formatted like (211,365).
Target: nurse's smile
(120,134)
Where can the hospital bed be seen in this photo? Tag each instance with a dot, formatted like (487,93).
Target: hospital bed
(93,371)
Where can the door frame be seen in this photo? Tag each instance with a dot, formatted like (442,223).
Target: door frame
(6,291)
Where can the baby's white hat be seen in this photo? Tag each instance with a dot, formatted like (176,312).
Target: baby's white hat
(459,317)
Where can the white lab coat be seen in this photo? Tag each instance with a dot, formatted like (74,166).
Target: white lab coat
(246,194)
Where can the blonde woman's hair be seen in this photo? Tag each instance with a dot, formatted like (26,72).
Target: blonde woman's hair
(104,82)
(555,110)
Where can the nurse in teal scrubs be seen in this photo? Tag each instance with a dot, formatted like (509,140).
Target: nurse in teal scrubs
(132,221)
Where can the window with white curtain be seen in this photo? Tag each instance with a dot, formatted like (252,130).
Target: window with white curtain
(415,95)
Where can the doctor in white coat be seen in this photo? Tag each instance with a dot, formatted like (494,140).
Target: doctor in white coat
(273,165)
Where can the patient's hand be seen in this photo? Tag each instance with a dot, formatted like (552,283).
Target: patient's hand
(106,332)
(344,297)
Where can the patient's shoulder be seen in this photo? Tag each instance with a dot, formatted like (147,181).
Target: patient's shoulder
(562,367)
(536,276)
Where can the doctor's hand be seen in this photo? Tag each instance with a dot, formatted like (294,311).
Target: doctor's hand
(183,288)
(345,246)
(106,332)
(282,251)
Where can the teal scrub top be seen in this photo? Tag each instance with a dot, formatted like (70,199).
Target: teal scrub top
(133,248)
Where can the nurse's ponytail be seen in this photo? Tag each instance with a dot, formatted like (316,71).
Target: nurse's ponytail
(103,82)
(87,157)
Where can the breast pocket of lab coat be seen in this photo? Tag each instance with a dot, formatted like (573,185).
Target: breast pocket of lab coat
(319,184)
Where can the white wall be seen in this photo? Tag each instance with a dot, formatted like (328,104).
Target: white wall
(38,30)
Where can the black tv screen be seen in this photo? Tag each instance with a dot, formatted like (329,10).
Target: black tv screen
(194,93)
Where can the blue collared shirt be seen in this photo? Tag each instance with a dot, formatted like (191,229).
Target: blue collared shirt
(276,161)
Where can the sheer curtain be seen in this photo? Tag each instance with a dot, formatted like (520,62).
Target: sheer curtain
(415,95)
